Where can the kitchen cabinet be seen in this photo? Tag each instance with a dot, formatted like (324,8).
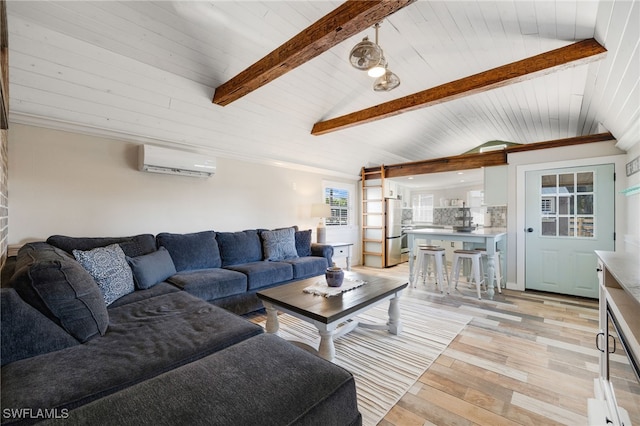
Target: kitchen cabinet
(495,185)
(390,189)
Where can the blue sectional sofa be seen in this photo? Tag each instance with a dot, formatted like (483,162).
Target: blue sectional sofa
(143,339)
(223,268)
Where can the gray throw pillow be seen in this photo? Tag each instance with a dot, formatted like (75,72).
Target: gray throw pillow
(151,269)
(109,268)
(279,244)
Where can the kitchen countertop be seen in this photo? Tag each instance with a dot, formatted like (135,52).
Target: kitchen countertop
(486,232)
(625,268)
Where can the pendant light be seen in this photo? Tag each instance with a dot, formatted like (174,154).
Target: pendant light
(368,56)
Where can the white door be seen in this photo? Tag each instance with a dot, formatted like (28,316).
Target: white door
(569,214)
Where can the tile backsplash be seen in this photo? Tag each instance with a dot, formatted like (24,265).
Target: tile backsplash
(498,216)
(446,216)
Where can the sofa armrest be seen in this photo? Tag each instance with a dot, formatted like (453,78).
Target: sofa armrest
(322,250)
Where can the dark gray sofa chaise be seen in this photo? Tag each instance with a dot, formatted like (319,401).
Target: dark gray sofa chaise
(157,355)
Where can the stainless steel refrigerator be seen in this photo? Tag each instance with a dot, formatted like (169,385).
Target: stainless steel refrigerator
(393,231)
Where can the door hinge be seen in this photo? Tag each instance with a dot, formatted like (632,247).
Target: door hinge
(614,176)
(614,236)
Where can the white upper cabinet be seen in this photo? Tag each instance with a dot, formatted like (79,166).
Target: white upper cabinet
(390,189)
(495,185)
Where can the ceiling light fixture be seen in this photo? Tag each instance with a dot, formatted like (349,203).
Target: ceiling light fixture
(368,56)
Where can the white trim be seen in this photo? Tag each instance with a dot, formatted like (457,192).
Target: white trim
(521,170)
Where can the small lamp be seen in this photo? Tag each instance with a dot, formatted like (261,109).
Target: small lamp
(321,210)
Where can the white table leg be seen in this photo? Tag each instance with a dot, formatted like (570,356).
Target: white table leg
(272,324)
(410,243)
(394,324)
(491,268)
(326,349)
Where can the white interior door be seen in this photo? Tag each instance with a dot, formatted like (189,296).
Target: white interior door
(569,214)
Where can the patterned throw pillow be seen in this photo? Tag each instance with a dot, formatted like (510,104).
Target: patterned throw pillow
(279,244)
(109,268)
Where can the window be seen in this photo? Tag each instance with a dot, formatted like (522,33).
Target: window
(340,201)
(422,205)
(567,205)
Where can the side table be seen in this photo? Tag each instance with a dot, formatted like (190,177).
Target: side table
(342,251)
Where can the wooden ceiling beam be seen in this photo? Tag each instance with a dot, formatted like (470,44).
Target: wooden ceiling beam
(477,160)
(558,143)
(348,19)
(575,54)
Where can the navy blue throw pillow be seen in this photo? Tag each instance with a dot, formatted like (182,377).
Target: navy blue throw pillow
(303,243)
(151,269)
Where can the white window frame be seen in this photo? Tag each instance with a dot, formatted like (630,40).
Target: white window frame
(341,186)
(421,212)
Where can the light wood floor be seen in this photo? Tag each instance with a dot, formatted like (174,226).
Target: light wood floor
(525,359)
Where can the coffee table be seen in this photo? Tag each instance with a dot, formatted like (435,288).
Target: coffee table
(333,316)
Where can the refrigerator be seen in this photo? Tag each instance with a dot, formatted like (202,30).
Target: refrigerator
(393,231)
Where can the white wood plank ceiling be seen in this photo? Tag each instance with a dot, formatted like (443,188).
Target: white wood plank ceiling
(146,71)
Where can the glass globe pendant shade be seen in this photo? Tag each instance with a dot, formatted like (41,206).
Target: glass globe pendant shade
(365,55)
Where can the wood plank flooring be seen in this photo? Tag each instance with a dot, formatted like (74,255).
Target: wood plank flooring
(526,358)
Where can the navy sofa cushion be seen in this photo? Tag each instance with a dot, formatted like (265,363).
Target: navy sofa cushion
(239,247)
(25,331)
(150,269)
(133,246)
(303,243)
(305,267)
(156,290)
(198,250)
(144,339)
(55,284)
(263,273)
(232,390)
(209,284)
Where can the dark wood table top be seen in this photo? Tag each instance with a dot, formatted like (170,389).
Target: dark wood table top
(332,308)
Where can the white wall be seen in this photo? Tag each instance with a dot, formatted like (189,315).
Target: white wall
(79,185)
(632,231)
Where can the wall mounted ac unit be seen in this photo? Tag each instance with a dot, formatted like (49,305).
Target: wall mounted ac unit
(156,159)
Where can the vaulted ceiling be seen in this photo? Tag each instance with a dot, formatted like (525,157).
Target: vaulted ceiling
(147,72)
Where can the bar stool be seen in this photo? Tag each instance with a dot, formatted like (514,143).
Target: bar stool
(458,258)
(497,270)
(425,253)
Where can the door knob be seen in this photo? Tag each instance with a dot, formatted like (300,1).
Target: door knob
(529,229)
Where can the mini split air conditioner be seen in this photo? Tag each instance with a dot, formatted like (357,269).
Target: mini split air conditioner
(156,159)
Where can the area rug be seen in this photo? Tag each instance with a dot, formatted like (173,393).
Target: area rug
(385,366)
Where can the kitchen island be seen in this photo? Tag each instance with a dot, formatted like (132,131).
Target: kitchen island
(489,237)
